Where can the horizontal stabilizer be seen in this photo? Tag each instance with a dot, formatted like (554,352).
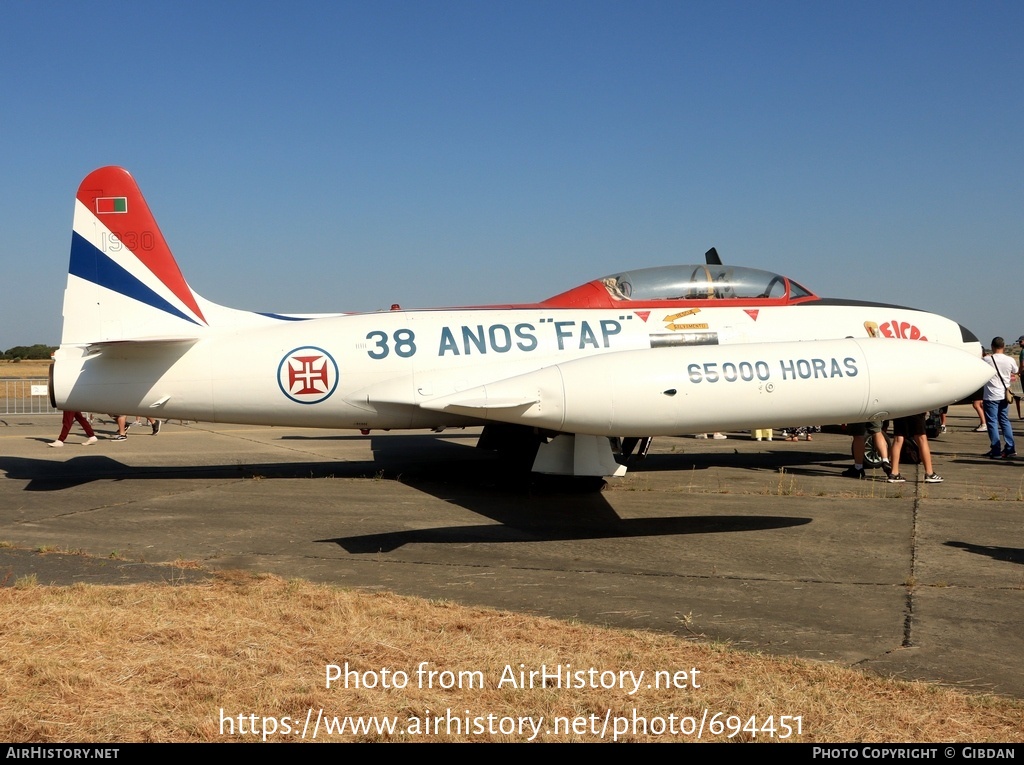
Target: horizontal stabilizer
(141,344)
(147,341)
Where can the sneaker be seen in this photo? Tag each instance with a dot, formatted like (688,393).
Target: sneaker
(90,441)
(701,435)
(1009,455)
(933,478)
(719,436)
(897,478)
(994,456)
(120,438)
(980,429)
(156,427)
(942,429)
(887,468)
(854,472)
(55,444)
(127,426)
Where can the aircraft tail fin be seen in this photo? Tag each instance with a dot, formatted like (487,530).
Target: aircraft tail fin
(123,281)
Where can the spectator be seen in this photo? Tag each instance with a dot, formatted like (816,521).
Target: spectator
(997,402)
(69,419)
(860,431)
(911,427)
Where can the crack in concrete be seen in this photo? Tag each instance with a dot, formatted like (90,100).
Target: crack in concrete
(908,620)
(607,572)
(126,503)
(613,572)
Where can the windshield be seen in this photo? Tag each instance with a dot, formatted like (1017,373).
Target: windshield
(700,282)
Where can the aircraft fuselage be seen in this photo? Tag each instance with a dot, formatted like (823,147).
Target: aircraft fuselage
(377,370)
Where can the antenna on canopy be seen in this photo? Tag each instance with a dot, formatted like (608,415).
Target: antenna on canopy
(712,257)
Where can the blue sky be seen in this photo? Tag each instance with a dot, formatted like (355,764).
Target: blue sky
(311,157)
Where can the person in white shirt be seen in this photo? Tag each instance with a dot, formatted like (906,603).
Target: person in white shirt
(997,407)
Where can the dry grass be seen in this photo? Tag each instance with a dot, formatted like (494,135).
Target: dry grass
(28,368)
(160,663)
(14,385)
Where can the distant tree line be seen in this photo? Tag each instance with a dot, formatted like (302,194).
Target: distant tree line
(37,351)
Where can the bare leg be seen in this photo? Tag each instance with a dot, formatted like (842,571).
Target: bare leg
(926,453)
(897,446)
(980,411)
(858,451)
(881,447)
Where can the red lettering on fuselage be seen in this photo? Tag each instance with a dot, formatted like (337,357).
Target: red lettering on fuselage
(901,329)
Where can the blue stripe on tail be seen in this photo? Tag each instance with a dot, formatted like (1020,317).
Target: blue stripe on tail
(87,262)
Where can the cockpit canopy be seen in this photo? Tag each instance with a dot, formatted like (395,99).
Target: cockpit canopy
(696,282)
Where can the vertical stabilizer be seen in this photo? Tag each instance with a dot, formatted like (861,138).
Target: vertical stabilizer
(123,282)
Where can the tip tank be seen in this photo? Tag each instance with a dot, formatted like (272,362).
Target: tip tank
(677,390)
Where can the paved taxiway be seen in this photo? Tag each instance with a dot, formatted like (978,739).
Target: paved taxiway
(762,544)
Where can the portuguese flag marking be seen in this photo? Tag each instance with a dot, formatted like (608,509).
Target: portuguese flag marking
(111,205)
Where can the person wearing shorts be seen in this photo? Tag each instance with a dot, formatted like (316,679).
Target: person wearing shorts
(860,431)
(911,427)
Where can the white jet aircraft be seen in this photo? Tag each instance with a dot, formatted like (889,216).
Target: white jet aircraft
(658,351)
